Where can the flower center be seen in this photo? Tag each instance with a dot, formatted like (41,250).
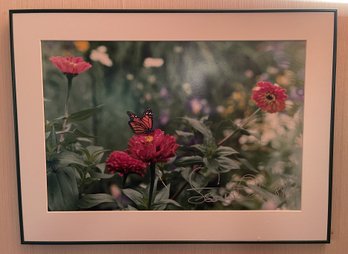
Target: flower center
(149,139)
(270,97)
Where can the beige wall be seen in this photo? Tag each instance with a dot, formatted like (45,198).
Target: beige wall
(9,226)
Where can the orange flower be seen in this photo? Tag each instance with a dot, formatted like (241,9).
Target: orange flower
(81,46)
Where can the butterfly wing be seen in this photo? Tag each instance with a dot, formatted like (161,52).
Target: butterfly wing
(147,119)
(135,123)
(141,125)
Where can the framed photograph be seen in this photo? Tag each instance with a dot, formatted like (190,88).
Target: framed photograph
(143,126)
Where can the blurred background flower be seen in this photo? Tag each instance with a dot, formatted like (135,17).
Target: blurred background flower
(100,55)
(82,46)
(153,62)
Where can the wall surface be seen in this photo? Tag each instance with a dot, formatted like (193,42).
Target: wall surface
(9,225)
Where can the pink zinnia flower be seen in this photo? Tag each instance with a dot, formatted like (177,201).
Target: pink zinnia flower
(268,97)
(70,64)
(123,163)
(154,147)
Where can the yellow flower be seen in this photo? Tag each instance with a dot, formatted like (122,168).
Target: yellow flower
(286,79)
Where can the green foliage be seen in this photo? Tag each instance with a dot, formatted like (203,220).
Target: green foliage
(162,199)
(195,179)
(137,197)
(201,128)
(140,197)
(62,189)
(189,160)
(213,159)
(225,151)
(92,200)
(84,114)
(70,158)
(184,133)
(51,140)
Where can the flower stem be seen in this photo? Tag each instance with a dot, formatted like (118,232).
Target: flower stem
(245,122)
(94,104)
(66,110)
(124,180)
(152,183)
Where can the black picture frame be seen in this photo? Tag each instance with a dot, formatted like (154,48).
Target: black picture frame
(13,13)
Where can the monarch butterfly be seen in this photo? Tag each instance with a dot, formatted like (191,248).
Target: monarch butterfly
(143,124)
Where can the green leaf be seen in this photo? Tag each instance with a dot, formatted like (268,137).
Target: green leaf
(135,196)
(94,172)
(200,147)
(62,189)
(184,133)
(51,140)
(162,199)
(159,206)
(66,158)
(226,151)
(227,164)
(69,138)
(194,178)
(189,160)
(100,175)
(200,127)
(83,134)
(212,165)
(131,208)
(170,201)
(84,114)
(162,194)
(95,149)
(58,119)
(92,200)
(248,165)
(95,154)
(101,166)
(86,140)
(86,154)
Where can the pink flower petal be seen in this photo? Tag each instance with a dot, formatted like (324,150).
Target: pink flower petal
(70,64)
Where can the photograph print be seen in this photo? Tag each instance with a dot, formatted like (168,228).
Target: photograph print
(173,125)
